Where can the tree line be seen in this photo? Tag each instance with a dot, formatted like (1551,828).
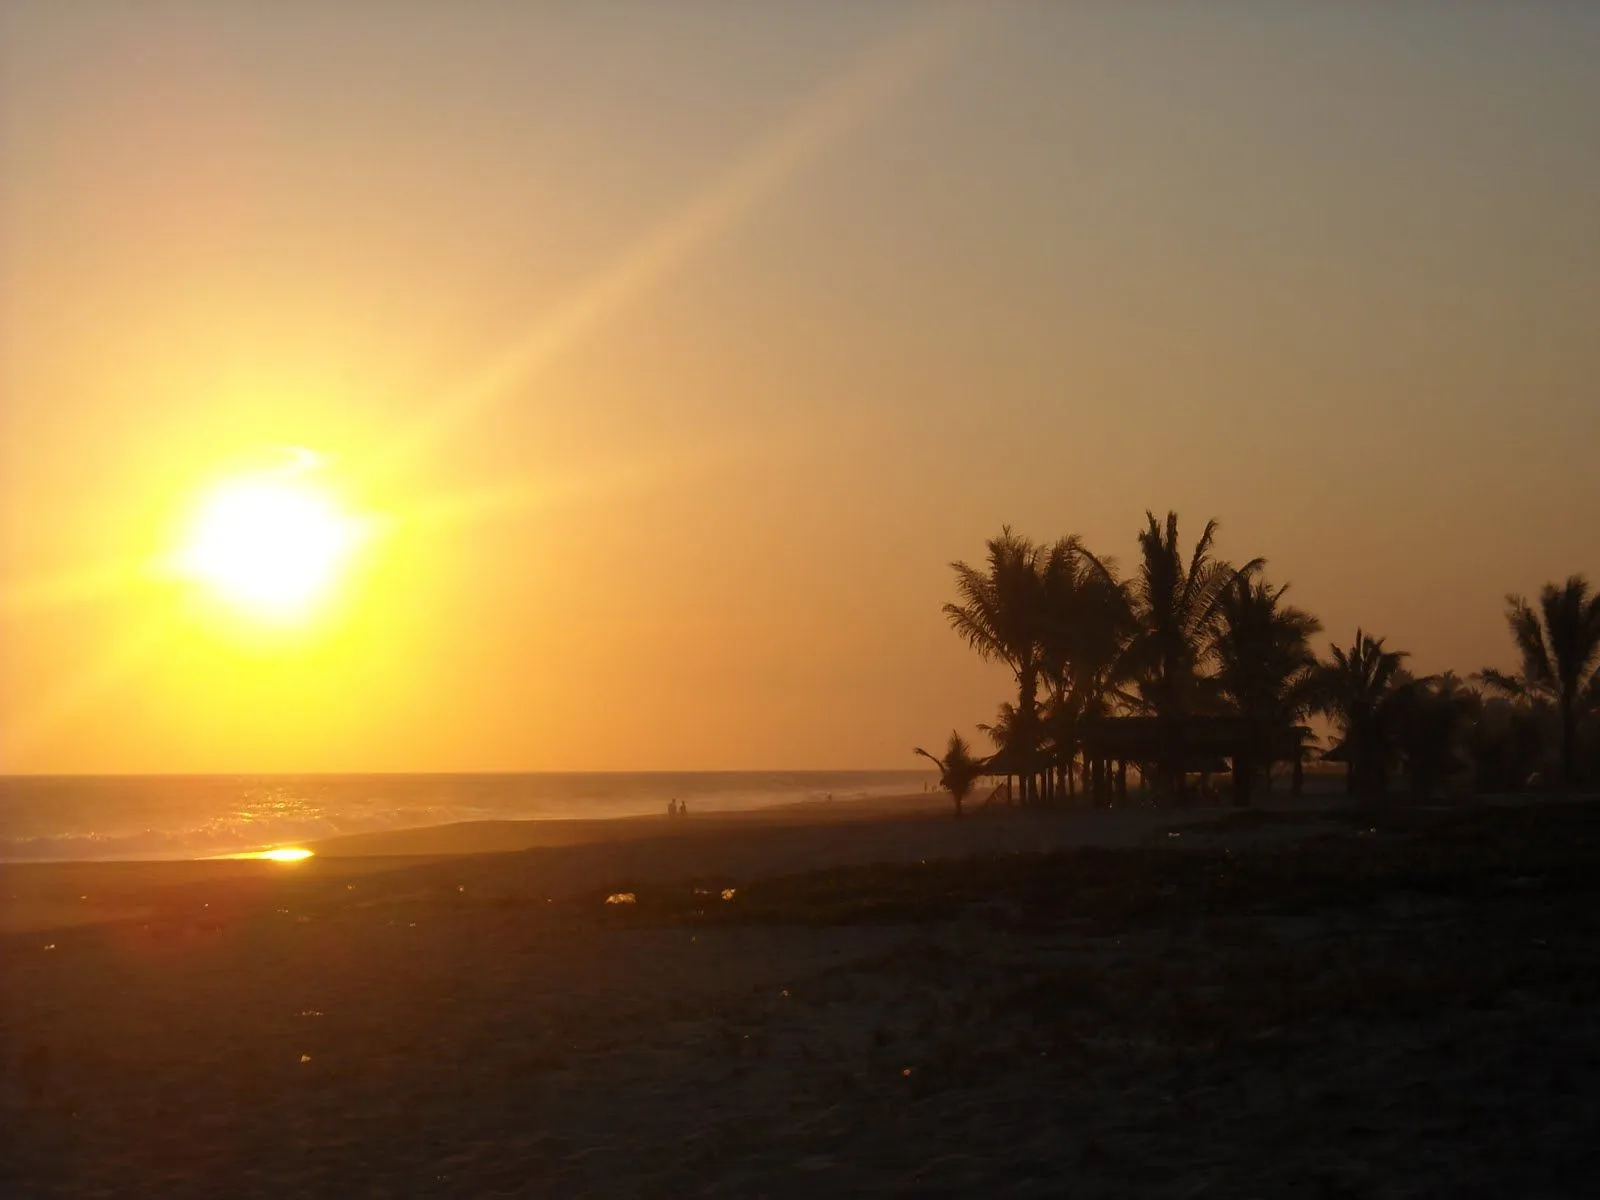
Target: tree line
(1190,634)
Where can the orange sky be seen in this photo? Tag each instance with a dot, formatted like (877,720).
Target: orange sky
(676,349)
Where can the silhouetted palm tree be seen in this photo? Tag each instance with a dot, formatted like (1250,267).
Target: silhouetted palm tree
(1016,745)
(1087,623)
(1433,722)
(1357,689)
(1001,616)
(1265,667)
(958,770)
(1560,649)
(1504,742)
(1177,610)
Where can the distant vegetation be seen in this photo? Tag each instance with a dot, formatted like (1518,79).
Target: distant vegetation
(1191,638)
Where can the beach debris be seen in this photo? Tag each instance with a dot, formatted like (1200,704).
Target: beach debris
(784,993)
(906,1073)
(727,893)
(310,1012)
(305,1058)
(460,887)
(622,898)
(1173,833)
(49,945)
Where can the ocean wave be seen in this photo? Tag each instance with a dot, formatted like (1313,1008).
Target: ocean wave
(151,817)
(215,838)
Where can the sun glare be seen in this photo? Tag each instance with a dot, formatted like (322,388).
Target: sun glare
(272,546)
(284,854)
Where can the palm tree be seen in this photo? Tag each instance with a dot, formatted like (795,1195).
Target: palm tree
(1265,667)
(1503,742)
(1560,648)
(1357,689)
(1087,622)
(1434,719)
(1001,616)
(1012,743)
(1178,609)
(958,770)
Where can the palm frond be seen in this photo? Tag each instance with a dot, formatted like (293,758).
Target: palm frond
(1591,693)
(1506,685)
(1537,670)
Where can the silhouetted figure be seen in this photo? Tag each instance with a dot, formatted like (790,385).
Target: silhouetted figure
(672,807)
(683,809)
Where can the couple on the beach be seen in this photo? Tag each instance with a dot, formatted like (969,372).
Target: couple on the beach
(677,808)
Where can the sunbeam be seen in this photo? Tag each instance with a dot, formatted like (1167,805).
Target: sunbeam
(879,79)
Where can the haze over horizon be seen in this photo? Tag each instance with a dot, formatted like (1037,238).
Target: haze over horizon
(666,355)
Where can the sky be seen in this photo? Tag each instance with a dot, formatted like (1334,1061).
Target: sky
(670,352)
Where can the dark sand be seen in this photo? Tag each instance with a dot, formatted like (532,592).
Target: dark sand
(1291,1004)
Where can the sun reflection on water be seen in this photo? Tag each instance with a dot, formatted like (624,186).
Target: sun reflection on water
(281,854)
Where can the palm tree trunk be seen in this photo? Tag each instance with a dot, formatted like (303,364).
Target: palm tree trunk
(1028,724)
(1569,742)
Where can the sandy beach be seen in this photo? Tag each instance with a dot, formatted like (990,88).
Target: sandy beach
(862,999)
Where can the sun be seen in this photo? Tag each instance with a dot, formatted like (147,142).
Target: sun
(271,545)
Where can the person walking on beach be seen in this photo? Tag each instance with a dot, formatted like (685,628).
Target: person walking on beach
(672,807)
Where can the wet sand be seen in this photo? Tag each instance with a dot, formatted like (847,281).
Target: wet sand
(1277,1004)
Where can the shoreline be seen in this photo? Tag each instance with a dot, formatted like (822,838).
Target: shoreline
(560,858)
(346,843)
(567,857)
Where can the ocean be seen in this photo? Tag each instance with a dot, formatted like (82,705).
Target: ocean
(73,818)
